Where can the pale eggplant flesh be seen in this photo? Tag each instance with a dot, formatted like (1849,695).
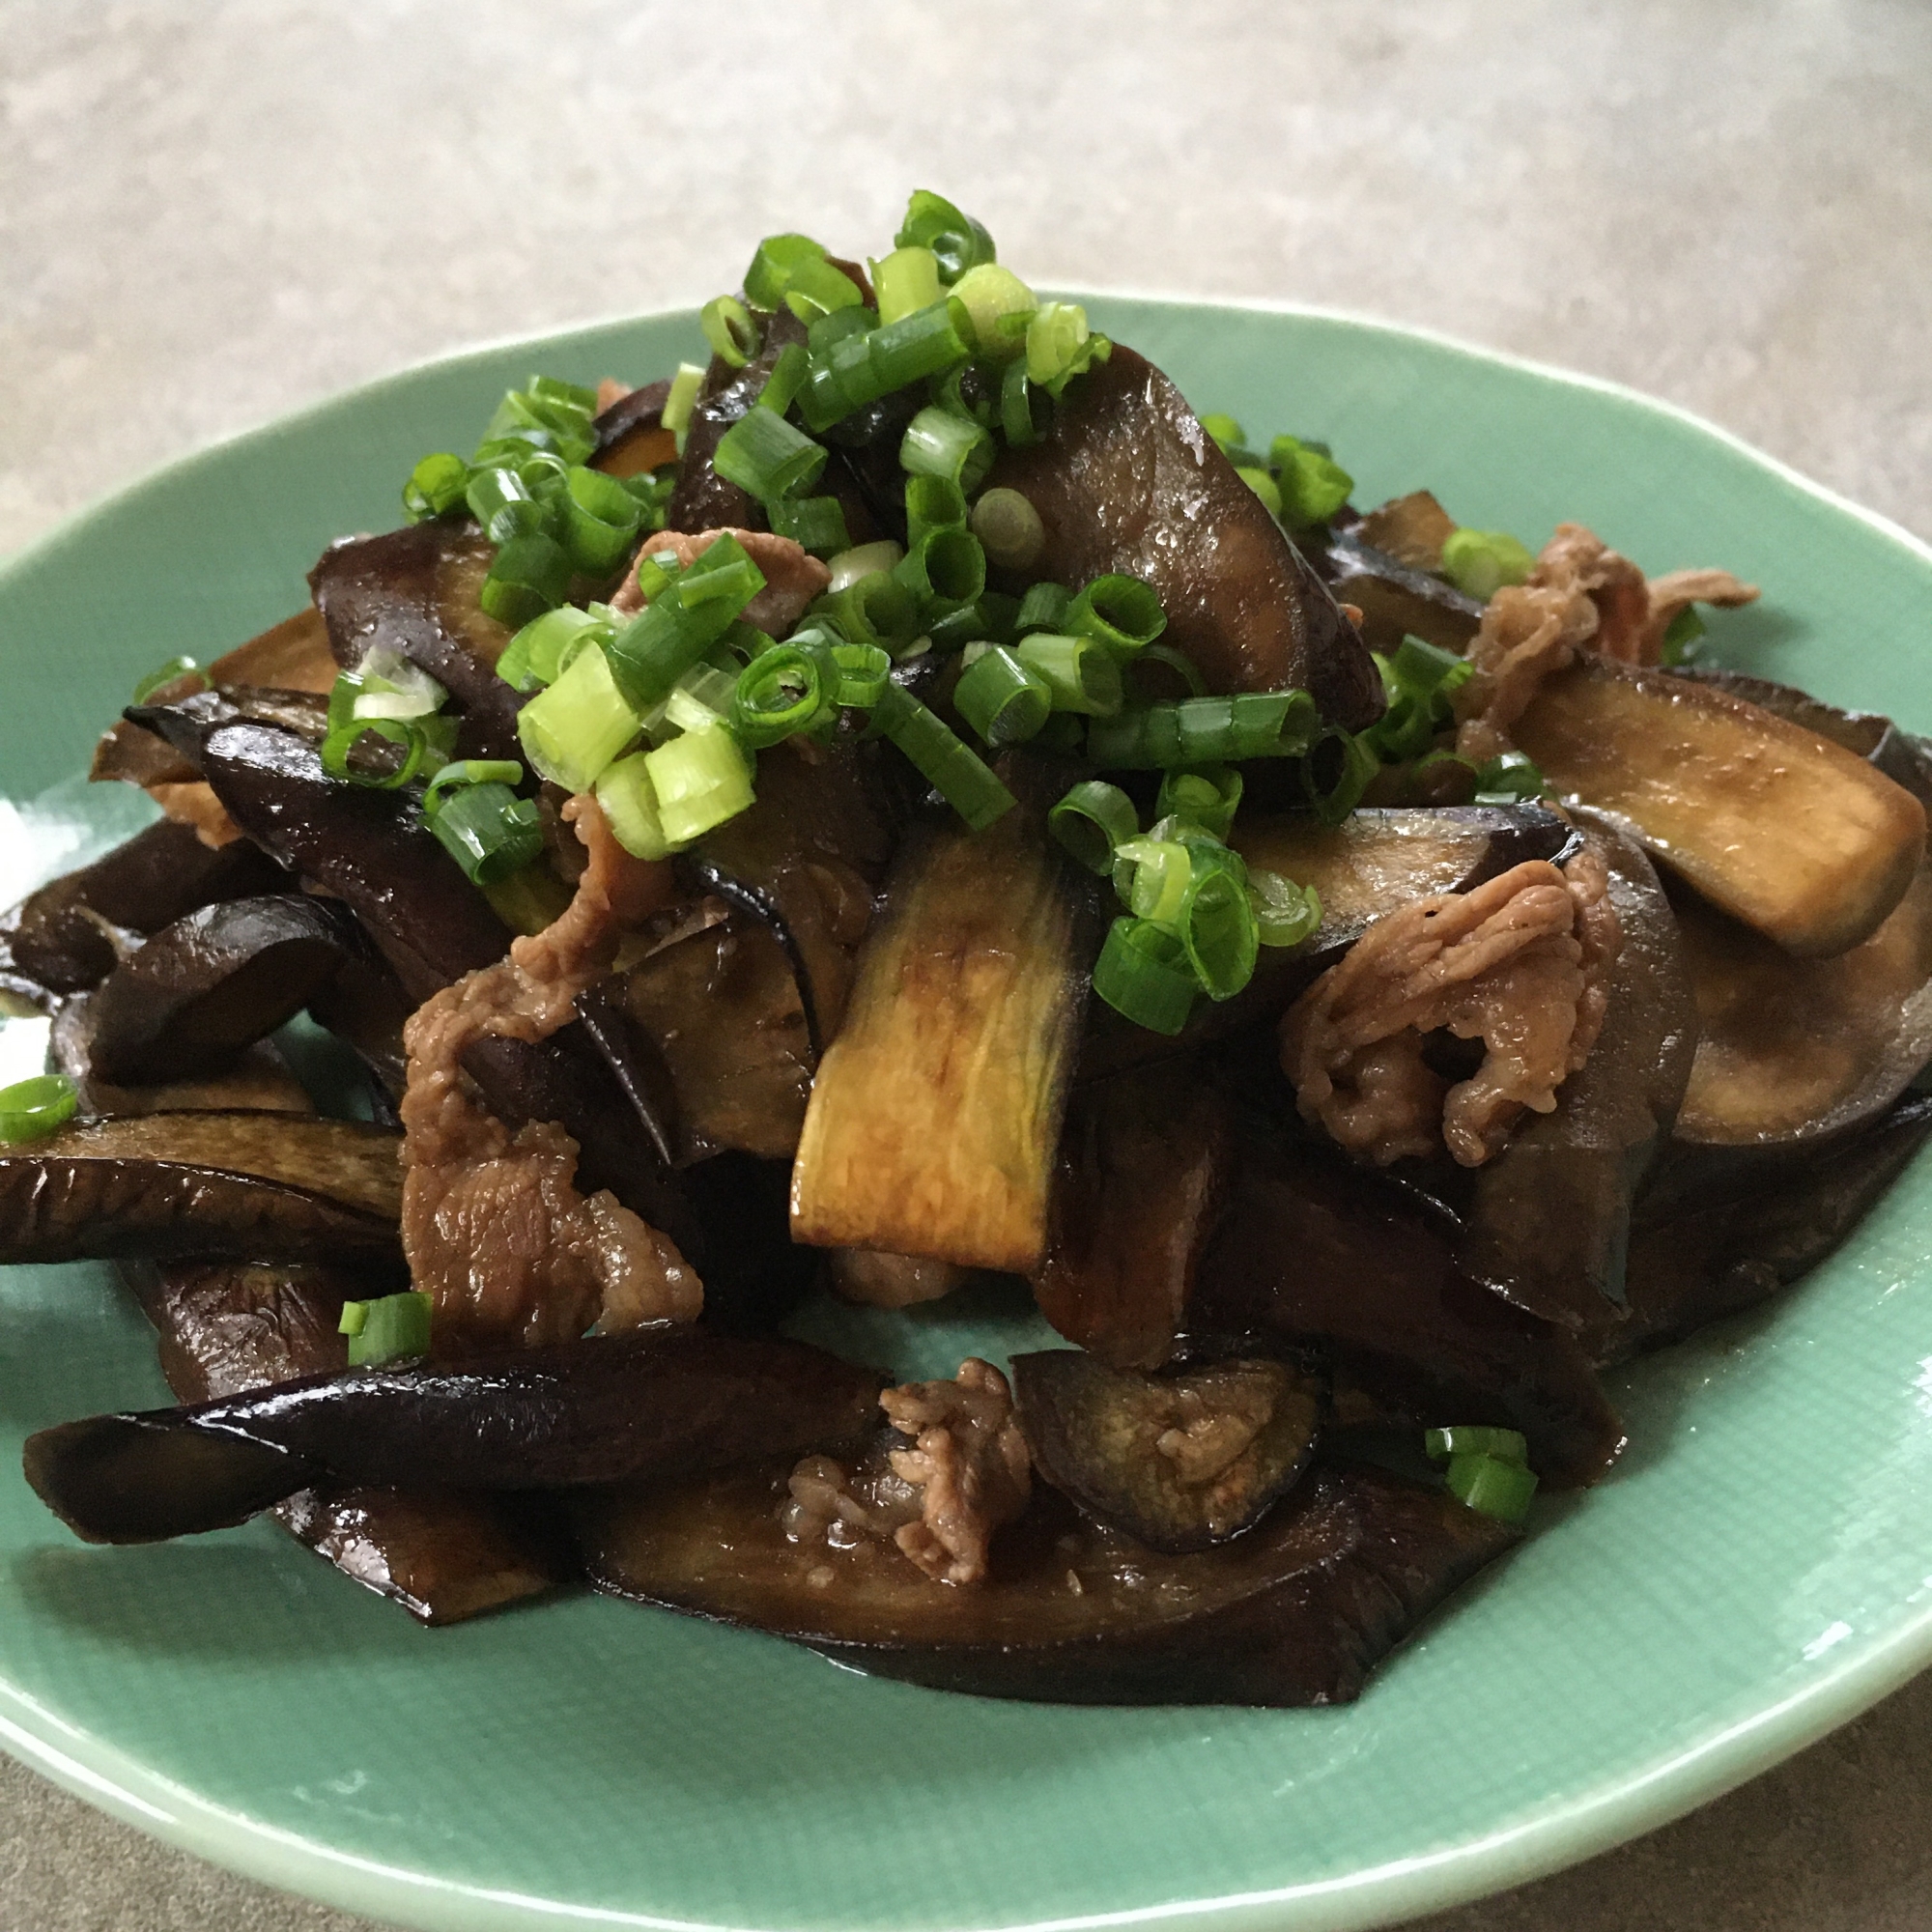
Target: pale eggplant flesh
(1296,1612)
(229,1326)
(1126,480)
(1178,1461)
(649,1403)
(256,1186)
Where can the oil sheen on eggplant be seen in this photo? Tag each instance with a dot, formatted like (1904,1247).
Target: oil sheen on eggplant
(1296,1612)
(1125,479)
(649,1403)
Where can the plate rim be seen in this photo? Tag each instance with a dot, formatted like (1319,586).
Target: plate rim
(1583,1827)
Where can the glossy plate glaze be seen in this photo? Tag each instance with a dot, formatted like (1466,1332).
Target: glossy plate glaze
(1758,1570)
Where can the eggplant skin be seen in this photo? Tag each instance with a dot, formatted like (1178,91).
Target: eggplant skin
(211,984)
(627,1407)
(1296,1614)
(266,1186)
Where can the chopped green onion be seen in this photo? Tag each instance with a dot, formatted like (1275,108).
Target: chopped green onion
(782,690)
(850,565)
(1208,797)
(675,416)
(542,650)
(932,502)
(1227,432)
(942,757)
(1007,524)
(1143,973)
(390,1329)
(1313,485)
(957,242)
(1003,700)
(1091,820)
(729,330)
(1206,731)
(1509,779)
(468,771)
(816,288)
(1043,609)
(1149,691)
(1218,927)
(1680,638)
(863,672)
(860,369)
(762,453)
(1358,767)
(1059,345)
(630,803)
(572,730)
(488,830)
(876,608)
(682,622)
(1262,485)
(789,369)
(1152,876)
(500,501)
(1284,913)
(161,675)
(905,280)
(1120,611)
(771,267)
(700,780)
(945,563)
(1000,306)
(531,575)
(32,1109)
(1471,1439)
(1418,680)
(1494,1488)
(600,521)
(1480,562)
(1080,673)
(336,749)
(814,523)
(436,486)
(1016,423)
(939,443)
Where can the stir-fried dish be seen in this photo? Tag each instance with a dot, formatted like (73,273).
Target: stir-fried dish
(903,806)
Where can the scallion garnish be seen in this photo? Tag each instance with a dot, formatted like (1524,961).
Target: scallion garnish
(1151,876)
(946,563)
(863,561)
(1044,607)
(1418,680)
(530,574)
(600,520)
(1509,779)
(161,675)
(1262,485)
(782,690)
(1313,485)
(957,242)
(32,1109)
(860,368)
(484,826)
(1143,973)
(816,287)
(1007,524)
(905,280)
(700,780)
(875,609)
(773,266)
(932,502)
(436,486)
(1080,673)
(682,622)
(389,1329)
(730,330)
(1354,766)
(1016,423)
(814,523)
(1217,924)
(1120,611)
(337,751)
(1208,797)
(1148,690)
(863,672)
(543,649)
(942,757)
(1002,698)
(1060,346)
(1680,638)
(630,804)
(1225,431)
(1284,913)
(762,453)
(1091,820)
(1480,562)
(572,730)
(939,443)
(675,416)
(1469,1438)
(1206,731)
(504,503)
(999,306)
(1498,1489)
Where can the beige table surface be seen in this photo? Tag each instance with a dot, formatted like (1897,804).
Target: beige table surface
(212,213)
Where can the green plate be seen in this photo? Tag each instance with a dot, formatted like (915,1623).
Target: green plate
(1759,1569)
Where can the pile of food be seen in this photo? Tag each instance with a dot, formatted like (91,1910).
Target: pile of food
(908,803)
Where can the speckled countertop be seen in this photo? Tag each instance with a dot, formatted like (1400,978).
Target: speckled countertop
(209,216)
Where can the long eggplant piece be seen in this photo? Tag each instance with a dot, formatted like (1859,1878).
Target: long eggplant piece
(205,988)
(647,1405)
(1127,480)
(1778,826)
(52,943)
(1296,1612)
(936,1111)
(1314,1253)
(254,1186)
(630,436)
(416,590)
(259,1081)
(1548,1224)
(1396,599)
(1371,865)
(1144,1165)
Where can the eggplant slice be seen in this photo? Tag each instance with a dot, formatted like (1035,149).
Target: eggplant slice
(703,500)
(207,988)
(1180,1461)
(1778,826)
(648,1404)
(935,1116)
(1396,599)
(1127,480)
(1296,1612)
(269,1186)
